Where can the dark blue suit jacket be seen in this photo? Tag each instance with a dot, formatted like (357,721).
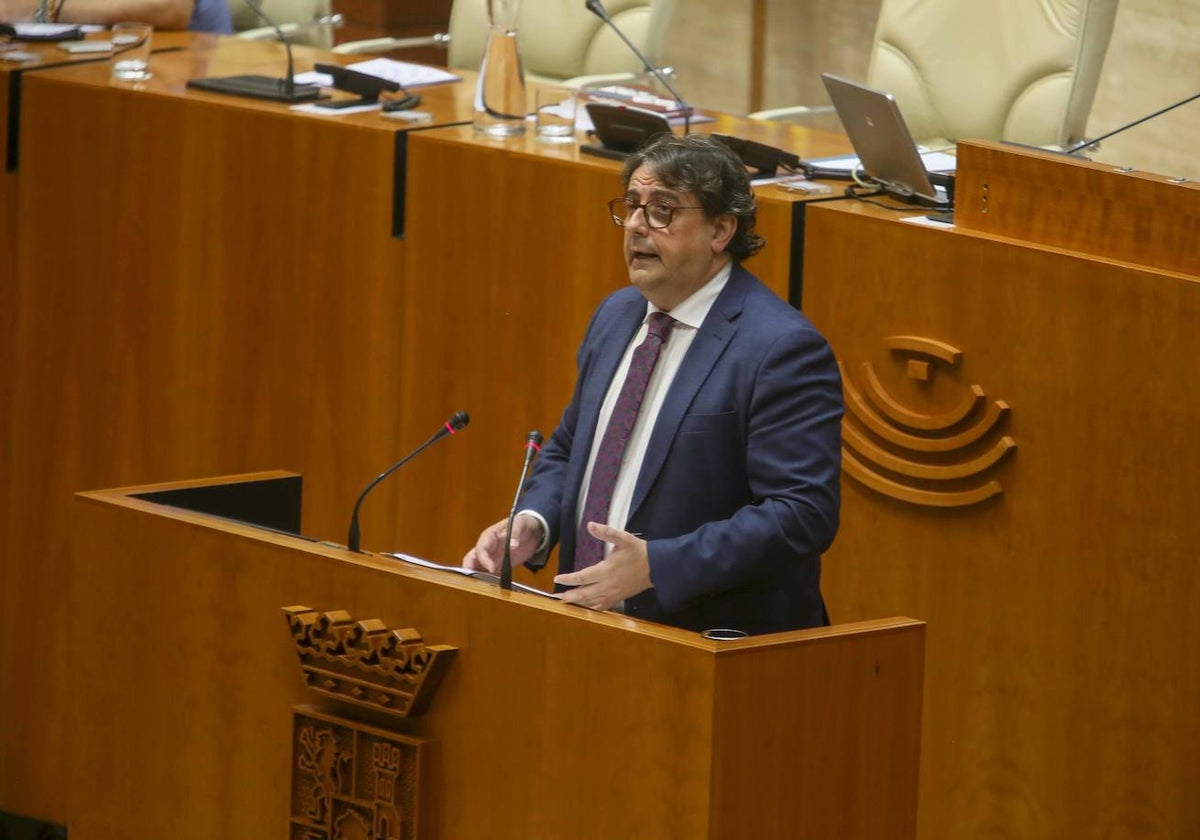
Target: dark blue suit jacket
(739,491)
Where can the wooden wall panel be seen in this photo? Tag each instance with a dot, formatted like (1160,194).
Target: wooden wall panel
(202,288)
(1059,685)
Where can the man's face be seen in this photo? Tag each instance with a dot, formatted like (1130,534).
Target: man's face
(669,264)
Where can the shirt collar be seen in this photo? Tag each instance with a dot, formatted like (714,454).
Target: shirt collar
(694,309)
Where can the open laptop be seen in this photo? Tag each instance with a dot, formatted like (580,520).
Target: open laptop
(882,141)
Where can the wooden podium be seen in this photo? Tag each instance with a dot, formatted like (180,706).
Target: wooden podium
(551,721)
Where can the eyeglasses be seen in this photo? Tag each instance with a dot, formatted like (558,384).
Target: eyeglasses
(658,214)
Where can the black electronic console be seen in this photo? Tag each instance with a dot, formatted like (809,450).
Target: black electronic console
(367,87)
(621,130)
(763,159)
(259,87)
(263,87)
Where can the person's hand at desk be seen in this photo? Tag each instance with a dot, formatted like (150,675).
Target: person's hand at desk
(623,573)
(489,549)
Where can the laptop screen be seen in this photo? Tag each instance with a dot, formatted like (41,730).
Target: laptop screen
(881,138)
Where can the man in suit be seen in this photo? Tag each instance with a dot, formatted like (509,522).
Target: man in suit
(694,478)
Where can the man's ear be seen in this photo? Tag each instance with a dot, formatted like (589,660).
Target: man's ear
(724,227)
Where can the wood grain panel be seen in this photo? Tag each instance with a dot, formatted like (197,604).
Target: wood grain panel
(1082,206)
(1058,702)
(203,285)
(780,732)
(185,709)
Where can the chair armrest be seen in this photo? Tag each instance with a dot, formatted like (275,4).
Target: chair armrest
(791,112)
(268,33)
(382,45)
(599,79)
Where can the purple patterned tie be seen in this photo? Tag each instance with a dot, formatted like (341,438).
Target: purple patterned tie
(588,550)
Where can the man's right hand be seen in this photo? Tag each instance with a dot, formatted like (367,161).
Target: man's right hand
(489,549)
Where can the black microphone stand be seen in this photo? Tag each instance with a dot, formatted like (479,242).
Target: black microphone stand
(1085,143)
(533,444)
(458,421)
(596,8)
(289,83)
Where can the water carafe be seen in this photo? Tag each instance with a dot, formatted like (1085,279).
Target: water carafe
(500,94)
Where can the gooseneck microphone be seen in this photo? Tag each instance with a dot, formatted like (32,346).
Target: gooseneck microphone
(1083,144)
(596,8)
(533,445)
(454,424)
(289,82)
(263,87)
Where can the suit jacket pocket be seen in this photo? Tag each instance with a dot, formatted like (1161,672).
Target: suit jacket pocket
(724,426)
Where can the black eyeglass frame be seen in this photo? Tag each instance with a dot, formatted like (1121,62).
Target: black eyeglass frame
(632,207)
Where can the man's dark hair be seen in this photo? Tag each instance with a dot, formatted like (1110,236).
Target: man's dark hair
(710,171)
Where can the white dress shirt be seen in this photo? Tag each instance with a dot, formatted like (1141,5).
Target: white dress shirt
(688,315)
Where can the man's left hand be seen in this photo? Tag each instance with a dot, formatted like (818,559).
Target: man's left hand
(623,574)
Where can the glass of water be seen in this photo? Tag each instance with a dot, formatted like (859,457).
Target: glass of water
(131,51)
(555,115)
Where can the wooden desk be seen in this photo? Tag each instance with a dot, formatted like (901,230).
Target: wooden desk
(205,284)
(1061,687)
(45,55)
(552,721)
(32,734)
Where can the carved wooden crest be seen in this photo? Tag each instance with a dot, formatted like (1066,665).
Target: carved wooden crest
(942,459)
(365,662)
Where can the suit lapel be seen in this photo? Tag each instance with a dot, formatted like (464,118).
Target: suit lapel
(714,335)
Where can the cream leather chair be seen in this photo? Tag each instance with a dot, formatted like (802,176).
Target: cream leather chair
(1019,70)
(561,41)
(303,21)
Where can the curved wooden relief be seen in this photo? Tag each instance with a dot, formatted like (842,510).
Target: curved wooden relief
(920,346)
(860,409)
(932,459)
(365,662)
(935,472)
(356,780)
(902,416)
(928,498)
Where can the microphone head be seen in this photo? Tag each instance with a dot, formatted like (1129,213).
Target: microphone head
(459,420)
(595,8)
(534,437)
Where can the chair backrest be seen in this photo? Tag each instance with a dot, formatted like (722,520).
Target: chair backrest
(561,39)
(286,11)
(1020,70)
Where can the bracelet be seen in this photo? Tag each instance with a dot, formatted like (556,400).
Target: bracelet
(39,16)
(53,10)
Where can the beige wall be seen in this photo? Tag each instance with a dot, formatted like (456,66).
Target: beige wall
(1153,60)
